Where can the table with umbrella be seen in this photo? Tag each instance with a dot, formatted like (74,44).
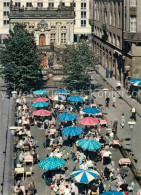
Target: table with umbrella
(66,117)
(57,97)
(40,99)
(90,110)
(40,104)
(40,92)
(63,92)
(84,176)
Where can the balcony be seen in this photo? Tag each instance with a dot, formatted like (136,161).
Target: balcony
(132,37)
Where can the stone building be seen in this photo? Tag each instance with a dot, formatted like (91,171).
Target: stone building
(82,29)
(116,35)
(51,27)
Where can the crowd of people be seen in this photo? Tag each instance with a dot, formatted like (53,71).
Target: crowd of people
(57,145)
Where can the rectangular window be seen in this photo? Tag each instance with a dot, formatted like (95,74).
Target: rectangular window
(110,19)
(63,38)
(5,13)
(29,4)
(133,3)
(52,38)
(83,14)
(6,4)
(40,4)
(83,5)
(6,22)
(133,24)
(51,5)
(17,4)
(83,23)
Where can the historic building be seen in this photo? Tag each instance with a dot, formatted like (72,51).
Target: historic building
(82,29)
(51,27)
(116,35)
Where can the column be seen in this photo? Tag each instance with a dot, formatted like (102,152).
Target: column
(58,33)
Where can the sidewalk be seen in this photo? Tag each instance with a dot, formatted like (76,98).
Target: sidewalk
(124,105)
(123,92)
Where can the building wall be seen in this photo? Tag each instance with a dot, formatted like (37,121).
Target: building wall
(78,29)
(4,21)
(116,31)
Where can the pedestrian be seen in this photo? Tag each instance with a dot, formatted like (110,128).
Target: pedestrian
(122,120)
(133,111)
(111,73)
(114,101)
(107,100)
(31,188)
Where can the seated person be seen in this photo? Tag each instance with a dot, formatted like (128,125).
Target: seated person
(18,190)
(124,187)
(102,141)
(107,173)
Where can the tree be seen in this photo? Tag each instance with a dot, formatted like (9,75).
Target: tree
(21,61)
(77,61)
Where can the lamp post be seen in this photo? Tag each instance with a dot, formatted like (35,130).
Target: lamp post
(131,125)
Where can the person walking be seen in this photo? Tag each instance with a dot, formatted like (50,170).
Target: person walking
(114,101)
(133,111)
(111,73)
(107,101)
(122,120)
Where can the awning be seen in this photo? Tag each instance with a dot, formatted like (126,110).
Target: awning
(4,36)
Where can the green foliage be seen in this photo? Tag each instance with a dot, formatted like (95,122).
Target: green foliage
(77,61)
(21,61)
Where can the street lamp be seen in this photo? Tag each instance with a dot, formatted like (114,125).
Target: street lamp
(131,125)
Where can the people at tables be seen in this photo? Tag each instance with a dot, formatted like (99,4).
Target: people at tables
(124,187)
(21,157)
(31,188)
(19,190)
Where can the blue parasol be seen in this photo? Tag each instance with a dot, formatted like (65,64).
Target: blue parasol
(66,117)
(84,176)
(75,99)
(90,110)
(51,163)
(72,131)
(88,144)
(62,91)
(40,104)
(40,92)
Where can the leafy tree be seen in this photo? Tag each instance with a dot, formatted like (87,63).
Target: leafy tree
(77,61)
(21,61)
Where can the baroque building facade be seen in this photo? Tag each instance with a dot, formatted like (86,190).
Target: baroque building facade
(82,29)
(116,36)
(51,27)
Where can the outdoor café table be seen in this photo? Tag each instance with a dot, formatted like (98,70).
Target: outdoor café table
(28,158)
(19,171)
(116,142)
(103,122)
(52,131)
(109,130)
(124,161)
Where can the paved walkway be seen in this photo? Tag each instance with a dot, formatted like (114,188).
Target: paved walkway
(6,120)
(124,105)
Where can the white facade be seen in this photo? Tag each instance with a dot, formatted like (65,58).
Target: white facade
(81,26)
(4,20)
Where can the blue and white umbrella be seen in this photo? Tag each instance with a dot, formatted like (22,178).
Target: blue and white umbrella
(66,117)
(137,84)
(40,104)
(57,97)
(51,163)
(112,193)
(40,92)
(72,131)
(62,91)
(134,80)
(84,176)
(75,99)
(89,144)
(90,110)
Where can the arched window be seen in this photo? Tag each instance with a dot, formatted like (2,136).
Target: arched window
(42,40)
